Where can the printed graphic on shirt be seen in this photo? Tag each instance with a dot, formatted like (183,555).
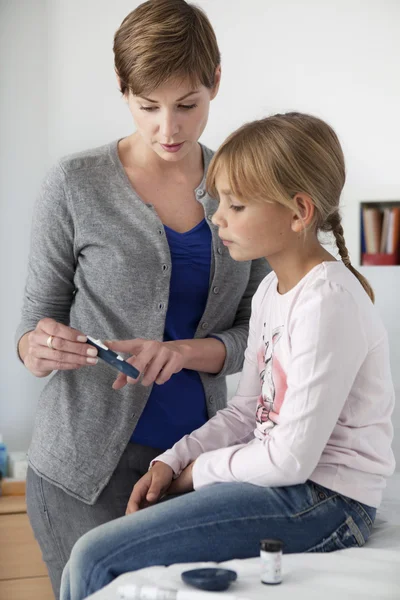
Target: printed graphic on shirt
(273,384)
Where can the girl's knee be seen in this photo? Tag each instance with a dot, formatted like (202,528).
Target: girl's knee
(79,574)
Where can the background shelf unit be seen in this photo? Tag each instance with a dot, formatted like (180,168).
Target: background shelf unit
(380,233)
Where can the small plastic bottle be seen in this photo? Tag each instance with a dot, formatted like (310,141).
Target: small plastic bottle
(271,561)
(3,458)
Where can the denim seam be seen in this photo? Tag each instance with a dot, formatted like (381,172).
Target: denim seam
(310,508)
(334,537)
(360,510)
(352,525)
(60,554)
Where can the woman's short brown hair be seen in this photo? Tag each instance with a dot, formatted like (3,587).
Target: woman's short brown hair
(162,40)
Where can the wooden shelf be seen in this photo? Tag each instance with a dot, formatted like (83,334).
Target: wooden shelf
(31,588)
(23,574)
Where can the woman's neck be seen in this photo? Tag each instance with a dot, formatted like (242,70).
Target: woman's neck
(293,264)
(135,153)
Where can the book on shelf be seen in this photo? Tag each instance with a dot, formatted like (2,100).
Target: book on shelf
(387,215)
(372,229)
(394,230)
(380,235)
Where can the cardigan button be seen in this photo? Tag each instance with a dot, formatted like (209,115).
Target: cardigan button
(204,325)
(219,250)
(216,290)
(200,193)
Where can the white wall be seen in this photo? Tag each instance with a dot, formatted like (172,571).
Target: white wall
(336,59)
(23,161)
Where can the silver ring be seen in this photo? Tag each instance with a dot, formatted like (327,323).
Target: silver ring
(49,342)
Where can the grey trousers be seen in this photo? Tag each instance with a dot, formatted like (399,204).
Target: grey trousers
(59,520)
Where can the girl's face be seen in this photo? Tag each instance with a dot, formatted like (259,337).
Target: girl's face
(171,119)
(252,230)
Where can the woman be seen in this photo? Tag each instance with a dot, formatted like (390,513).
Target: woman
(123,247)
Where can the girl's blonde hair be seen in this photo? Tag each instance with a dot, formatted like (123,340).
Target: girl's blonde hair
(162,40)
(280,156)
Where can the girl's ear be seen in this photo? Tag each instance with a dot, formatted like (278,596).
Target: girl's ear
(305,209)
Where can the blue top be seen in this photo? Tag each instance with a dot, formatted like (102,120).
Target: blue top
(178,406)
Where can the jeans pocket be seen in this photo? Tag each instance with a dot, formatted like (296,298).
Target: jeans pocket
(319,493)
(347,535)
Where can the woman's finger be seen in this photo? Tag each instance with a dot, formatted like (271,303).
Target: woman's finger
(42,368)
(66,347)
(56,329)
(56,336)
(45,359)
(39,348)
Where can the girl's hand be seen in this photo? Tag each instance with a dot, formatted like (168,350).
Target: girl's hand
(183,483)
(158,361)
(150,488)
(54,346)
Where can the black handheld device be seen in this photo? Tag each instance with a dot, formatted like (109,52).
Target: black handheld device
(113,359)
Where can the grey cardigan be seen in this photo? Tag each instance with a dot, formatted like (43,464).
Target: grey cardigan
(100,262)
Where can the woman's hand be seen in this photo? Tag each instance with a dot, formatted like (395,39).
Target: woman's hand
(151,487)
(183,483)
(158,361)
(54,346)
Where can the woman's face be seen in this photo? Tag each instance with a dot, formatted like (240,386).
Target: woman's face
(171,119)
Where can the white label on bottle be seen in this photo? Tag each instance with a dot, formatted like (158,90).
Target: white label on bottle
(271,563)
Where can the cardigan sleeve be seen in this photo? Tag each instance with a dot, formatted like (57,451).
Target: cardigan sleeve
(235,338)
(50,286)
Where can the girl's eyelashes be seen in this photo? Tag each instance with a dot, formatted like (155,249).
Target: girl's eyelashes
(180,106)
(236,208)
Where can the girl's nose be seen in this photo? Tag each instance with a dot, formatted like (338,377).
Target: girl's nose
(217,218)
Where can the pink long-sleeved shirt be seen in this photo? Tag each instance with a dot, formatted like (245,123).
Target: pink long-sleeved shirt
(315,396)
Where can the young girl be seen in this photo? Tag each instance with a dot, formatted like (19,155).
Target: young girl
(304,448)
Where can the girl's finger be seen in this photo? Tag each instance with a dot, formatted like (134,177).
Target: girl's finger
(126,346)
(166,373)
(120,382)
(143,359)
(154,369)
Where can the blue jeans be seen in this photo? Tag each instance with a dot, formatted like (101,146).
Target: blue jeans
(217,523)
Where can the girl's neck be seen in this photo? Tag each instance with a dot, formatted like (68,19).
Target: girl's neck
(293,264)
